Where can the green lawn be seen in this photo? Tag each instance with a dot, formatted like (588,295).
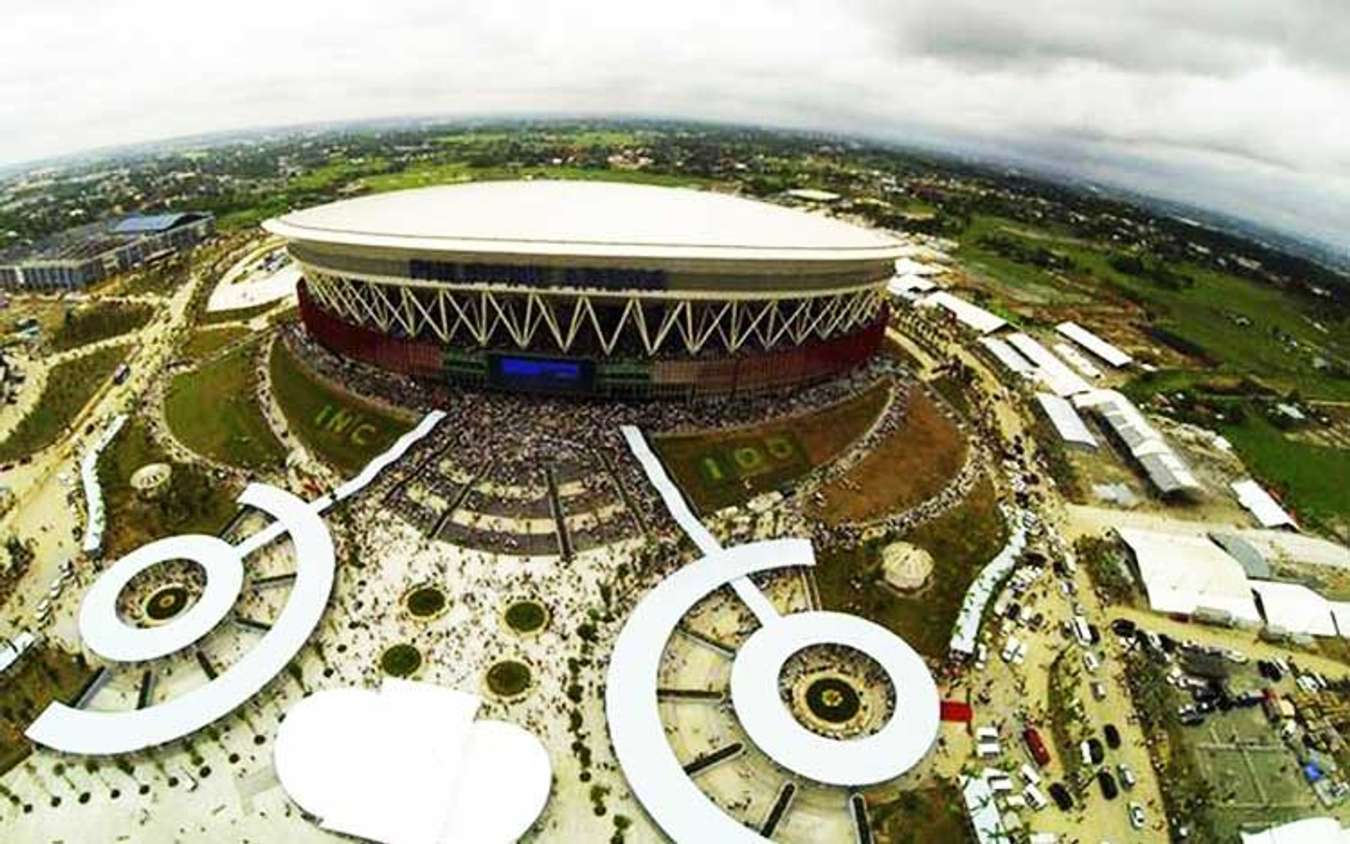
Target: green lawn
(461,171)
(209,318)
(961,541)
(98,321)
(1208,313)
(70,386)
(1312,478)
(719,468)
(214,412)
(46,673)
(920,816)
(191,502)
(205,342)
(339,428)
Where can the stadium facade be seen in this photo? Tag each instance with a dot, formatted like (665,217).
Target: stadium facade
(591,288)
(79,257)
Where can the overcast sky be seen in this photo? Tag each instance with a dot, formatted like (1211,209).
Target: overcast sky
(1242,104)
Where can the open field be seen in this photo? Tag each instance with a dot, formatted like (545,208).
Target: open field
(214,412)
(1248,328)
(717,469)
(920,816)
(238,315)
(339,428)
(1312,478)
(161,278)
(206,341)
(45,674)
(191,502)
(70,386)
(961,541)
(910,465)
(99,321)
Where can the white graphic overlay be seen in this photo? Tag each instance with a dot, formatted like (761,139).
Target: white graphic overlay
(413,766)
(74,730)
(654,772)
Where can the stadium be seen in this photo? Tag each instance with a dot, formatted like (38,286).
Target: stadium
(590,288)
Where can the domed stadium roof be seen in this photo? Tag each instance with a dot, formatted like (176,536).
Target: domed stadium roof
(566,218)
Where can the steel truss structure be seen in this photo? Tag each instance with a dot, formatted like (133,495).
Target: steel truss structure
(654,321)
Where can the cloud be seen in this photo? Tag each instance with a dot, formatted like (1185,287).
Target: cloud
(409,764)
(1262,80)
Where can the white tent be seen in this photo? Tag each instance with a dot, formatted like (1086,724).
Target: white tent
(1305,831)
(1053,372)
(1066,421)
(1094,344)
(1008,356)
(1189,574)
(1260,504)
(972,316)
(1294,608)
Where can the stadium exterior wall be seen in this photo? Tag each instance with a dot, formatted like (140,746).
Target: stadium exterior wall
(746,373)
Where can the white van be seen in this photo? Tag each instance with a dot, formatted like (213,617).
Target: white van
(1029,774)
(1090,661)
(1035,798)
(986,734)
(987,749)
(1080,629)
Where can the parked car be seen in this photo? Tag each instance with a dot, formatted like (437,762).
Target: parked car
(1060,795)
(1126,775)
(1036,746)
(1112,736)
(1107,783)
(1136,815)
(1092,751)
(1098,690)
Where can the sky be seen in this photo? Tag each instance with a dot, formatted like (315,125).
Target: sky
(1237,105)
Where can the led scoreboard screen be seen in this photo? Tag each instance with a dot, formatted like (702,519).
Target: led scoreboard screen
(540,374)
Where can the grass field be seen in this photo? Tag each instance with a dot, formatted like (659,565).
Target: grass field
(1311,478)
(1248,785)
(910,465)
(1210,313)
(191,502)
(920,816)
(209,318)
(45,674)
(717,469)
(99,321)
(213,411)
(961,541)
(206,341)
(338,427)
(70,386)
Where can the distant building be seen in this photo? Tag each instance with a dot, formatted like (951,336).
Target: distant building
(79,257)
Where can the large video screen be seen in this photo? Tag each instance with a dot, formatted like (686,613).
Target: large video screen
(540,374)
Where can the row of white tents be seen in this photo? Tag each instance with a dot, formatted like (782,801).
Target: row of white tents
(1191,575)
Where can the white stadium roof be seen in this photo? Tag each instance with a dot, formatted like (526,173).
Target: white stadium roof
(1266,509)
(1188,574)
(575,218)
(1094,344)
(1066,421)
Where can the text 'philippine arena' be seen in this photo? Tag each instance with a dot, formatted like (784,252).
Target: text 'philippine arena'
(590,288)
